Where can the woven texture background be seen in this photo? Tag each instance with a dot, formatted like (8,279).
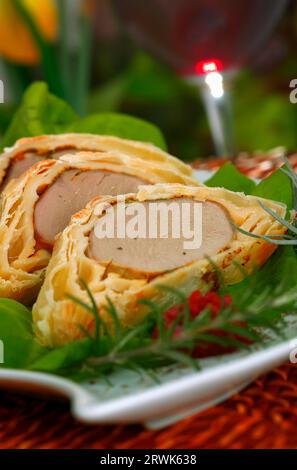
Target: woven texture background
(262,416)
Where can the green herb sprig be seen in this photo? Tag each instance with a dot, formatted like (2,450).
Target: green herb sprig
(290,238)
(243,324)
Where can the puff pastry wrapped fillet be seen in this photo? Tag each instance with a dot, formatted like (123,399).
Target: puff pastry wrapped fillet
(39,204)
(132,269)
(28,151)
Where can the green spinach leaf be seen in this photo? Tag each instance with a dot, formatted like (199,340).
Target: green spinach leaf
(120,125)
(230,178)
(39,113)
(43,113)
(277,187)
(19,345)
(63,357)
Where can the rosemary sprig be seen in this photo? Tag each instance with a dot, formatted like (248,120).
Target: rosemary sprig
(290,238)
(293,177)
(136,348)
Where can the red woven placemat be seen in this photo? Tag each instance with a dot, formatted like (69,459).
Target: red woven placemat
(262,416)
(258,165)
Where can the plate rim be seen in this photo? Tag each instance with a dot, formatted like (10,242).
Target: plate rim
(166,397)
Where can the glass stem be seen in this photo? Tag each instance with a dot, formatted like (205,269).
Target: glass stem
(218,108)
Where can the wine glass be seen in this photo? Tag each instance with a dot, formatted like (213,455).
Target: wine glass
(206,42)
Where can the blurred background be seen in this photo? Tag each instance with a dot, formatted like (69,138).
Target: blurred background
(133,56)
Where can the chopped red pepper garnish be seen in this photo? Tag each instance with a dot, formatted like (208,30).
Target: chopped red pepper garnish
(198,302)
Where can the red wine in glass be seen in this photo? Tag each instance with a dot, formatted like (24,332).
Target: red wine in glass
(203,40)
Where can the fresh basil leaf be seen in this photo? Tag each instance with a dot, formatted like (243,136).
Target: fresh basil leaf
(277,187)
(19,344)
(230,178)
(39,113)
(120,125)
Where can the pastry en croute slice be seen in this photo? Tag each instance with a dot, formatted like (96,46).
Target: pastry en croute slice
(39,204)
(28,151)
(128,269)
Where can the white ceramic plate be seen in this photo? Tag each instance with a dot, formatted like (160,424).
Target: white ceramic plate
(203,175)
(130,398)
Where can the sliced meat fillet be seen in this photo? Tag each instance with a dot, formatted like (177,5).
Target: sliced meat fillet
(139,251)
(22,163)
(19,165)
(70,193)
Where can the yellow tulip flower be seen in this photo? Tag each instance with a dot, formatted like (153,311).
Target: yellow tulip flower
(16,42)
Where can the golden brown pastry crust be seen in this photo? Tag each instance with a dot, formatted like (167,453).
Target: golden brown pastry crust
(56,318)
(22,263)
(46,145)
